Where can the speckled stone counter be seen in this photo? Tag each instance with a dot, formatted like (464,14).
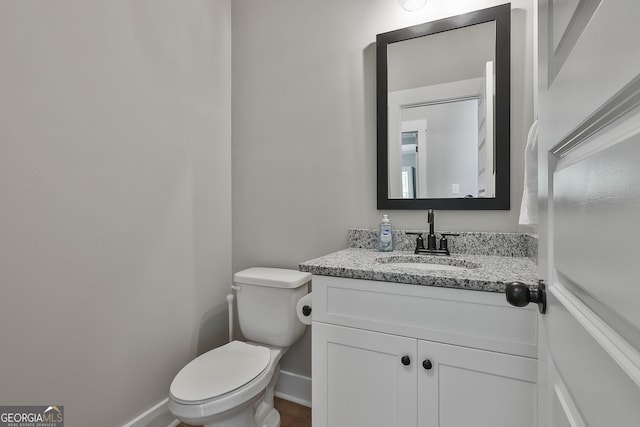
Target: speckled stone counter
(467,242)
(483,273)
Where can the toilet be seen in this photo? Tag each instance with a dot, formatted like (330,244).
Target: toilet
(232,385)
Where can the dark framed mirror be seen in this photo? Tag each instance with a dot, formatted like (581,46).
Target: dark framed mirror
(443,101)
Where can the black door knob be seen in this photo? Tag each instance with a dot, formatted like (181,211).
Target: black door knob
(426,364)
(306,310)
(406,360)
(520,295)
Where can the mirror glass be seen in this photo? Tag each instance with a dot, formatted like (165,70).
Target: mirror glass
(440,136)
(443,113)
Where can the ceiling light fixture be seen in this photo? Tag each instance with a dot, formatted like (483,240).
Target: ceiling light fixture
(412,5)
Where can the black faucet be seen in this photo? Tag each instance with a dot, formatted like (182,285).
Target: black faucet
(443,249)
(431,237)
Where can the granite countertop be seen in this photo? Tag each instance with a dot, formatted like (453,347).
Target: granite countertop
(487,273)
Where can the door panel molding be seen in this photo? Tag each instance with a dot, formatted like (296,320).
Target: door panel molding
(601,62)
(572,32)
(596,198)
(623,353)
(569,410)
(623,102)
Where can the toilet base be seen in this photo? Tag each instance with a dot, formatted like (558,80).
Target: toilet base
(258,412)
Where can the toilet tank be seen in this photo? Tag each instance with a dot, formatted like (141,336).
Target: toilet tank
(266,299)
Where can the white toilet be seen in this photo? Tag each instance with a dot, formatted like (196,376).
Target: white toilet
(232,385)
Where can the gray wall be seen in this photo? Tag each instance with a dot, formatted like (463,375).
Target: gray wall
(304,128)
(115,181)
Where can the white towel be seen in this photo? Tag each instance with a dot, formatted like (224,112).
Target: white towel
(529,205)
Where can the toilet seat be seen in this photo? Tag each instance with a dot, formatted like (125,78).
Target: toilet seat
(219,371)
(198,412)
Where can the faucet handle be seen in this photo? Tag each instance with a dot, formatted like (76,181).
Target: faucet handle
(444,243)
(419,240)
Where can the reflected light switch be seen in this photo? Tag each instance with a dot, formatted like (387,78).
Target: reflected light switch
(455,188)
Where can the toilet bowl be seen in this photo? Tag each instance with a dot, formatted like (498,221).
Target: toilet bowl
(228,386)
(233,385)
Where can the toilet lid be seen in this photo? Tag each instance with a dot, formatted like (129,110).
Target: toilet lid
(220,371)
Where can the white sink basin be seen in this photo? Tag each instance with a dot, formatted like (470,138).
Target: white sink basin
(427,266)
(426,263)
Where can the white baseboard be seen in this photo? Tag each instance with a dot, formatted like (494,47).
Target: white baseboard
(156,416)
(294,387)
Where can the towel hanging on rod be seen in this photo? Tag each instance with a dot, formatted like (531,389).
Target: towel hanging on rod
(529,205)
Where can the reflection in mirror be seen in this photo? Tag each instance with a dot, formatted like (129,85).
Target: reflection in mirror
(443,113)
(446,106)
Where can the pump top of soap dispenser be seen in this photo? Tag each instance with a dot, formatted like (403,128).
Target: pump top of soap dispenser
(385,218)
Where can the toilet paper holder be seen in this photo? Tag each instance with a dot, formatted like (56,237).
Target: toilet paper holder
(303,309)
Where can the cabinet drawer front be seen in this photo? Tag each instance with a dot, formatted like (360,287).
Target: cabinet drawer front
(475,319)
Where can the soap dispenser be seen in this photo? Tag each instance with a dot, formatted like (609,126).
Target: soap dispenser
(385,238)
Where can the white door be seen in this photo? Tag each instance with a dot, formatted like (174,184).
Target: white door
(461,386)
(420,129)
(367,383)
(486,166)
(589,165)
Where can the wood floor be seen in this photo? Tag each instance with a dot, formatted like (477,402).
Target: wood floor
(291,414)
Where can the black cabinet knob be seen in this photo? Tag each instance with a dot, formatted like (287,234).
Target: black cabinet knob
(406,360)
(426,364)
(520,295)
(306,310)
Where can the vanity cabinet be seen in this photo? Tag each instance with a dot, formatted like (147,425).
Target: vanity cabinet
(390,354)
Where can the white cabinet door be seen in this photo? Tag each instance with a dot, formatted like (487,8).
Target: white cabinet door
(469,387)
(359,378)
